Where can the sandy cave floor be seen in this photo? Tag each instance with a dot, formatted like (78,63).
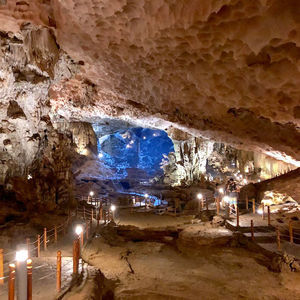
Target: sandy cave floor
(160,271)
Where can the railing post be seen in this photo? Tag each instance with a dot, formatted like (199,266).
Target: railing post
(237,217)
(87,230)
(45,239)
(58,272)
(11,281)
(81,238)
(278,238)
(269,216)
(253,206)
(218,205)
(55,234)
(84,212)
(263,211)
(206,202)
(247,202)
(92,214)
(38,245)
(291,232)
(1,267)
(29,279)
(202,203)
(76,254)
(252,230)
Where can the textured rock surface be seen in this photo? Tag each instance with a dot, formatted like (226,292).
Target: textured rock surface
(196,159)
(199,64)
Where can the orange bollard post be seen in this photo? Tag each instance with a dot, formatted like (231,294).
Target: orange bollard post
(237,217)
(38,245)
(202,203)
(92,214)
(58,272)
(1,267)
(101,212)
(11,281)
(247,202)
(252,230)
(55,234)
(263,211)
(253,206)
(291,232)
(84,212)
(45,239)
(75,256)
(278,238)
(29,279)
(218,206)
(81,238)
(269,216)
(28,246)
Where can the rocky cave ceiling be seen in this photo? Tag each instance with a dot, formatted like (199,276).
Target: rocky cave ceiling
(228,70)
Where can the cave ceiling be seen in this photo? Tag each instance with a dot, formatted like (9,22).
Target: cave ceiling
(228,70)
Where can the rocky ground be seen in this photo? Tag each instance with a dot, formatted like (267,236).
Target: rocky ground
(189,261)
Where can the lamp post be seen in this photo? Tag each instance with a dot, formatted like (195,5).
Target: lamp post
(200,198)
(21,271)
(113,208)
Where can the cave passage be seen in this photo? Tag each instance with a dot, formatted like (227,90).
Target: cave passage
(135,153)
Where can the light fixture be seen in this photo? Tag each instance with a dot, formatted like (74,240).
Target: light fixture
(199,196)
(29,176)
(146,195)
(100,155)
(112,207)
(221,190)
(91,193)
(226,199)
(245,181)
(21,255)
(144,137)
(78,229)
(127,146)
(131,142)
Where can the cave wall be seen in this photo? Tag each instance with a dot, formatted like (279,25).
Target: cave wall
(196,159)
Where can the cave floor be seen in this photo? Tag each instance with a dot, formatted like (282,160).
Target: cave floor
(156,270)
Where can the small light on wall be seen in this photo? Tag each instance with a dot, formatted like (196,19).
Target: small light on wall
(245,181)
(144,137)
(100,155)
(146,195)
(112,207)
(29,176)
(131,142)
(91,193)
(221,190)
(199,196)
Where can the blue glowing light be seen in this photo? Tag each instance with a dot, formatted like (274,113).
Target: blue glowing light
(139,149)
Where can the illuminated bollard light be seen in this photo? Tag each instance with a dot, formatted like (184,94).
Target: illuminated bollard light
(21,271)
(113,209)
(79,232)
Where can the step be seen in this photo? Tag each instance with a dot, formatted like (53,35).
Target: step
(262,237)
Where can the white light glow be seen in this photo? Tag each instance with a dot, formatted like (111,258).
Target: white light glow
(91,193)
(199,196)
(221,190)
(78,229)
(21,255)
(100,155)
(29,177)
(112,207)
(260,211)
(144,137)
(131,142)
(245,181)
(146,195)
(226,199)
(128,146)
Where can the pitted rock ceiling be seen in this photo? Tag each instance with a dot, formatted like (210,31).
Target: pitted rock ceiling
(223,69)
